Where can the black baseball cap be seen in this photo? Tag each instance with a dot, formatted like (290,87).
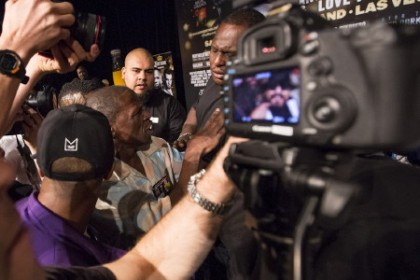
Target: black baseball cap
(75,131)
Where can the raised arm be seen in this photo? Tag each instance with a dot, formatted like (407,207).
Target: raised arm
(203,142)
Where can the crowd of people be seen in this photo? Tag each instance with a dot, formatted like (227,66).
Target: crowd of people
(123,184)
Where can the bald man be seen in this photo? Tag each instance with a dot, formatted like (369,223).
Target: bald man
(167,114)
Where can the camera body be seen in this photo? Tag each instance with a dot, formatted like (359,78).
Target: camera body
(351,89)
(43,101)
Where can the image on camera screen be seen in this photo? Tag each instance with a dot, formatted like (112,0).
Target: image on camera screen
(271,96)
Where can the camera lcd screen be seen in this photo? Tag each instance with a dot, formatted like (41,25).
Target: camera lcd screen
(271,96)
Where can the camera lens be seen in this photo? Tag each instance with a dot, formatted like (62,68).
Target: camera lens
(89,29)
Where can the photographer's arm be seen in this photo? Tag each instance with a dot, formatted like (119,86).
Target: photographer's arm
(24,89)
(178,244)
(7,90)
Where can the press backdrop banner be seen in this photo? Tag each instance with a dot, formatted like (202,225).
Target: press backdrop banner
(353,13)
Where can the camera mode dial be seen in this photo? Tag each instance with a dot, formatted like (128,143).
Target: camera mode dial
(331,109)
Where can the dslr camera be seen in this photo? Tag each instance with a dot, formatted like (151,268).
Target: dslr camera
(298,80)
(42,100)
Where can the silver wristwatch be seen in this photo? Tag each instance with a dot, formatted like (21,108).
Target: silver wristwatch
(216,208)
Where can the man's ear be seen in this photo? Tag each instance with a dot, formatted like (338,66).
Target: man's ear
(123,72)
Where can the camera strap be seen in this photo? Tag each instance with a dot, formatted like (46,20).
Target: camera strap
(31,170)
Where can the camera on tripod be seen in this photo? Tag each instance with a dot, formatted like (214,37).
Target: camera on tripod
(312,99)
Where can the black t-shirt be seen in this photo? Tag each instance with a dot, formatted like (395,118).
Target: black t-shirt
(79,273)
(208,102)
(167,115)
(205,106)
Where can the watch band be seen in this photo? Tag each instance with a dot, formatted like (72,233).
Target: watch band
(11,65)
(216,208)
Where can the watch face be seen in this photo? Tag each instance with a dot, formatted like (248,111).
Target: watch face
(8,62)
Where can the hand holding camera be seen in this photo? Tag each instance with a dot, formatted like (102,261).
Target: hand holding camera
(64,57)
(23,32)
(87,35)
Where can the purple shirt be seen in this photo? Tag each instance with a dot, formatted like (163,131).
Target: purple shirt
(56,242)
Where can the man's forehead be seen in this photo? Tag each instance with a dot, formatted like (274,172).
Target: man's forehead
(140,65)
(228,35)
(140,61)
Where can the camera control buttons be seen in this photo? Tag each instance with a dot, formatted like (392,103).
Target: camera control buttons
(326,110)
(321,66)
(331,109)
(310,47)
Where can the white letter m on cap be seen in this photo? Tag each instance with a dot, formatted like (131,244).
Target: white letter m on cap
(71,146)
